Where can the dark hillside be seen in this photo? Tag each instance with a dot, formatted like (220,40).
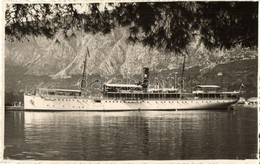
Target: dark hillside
(230,76)
(234,74)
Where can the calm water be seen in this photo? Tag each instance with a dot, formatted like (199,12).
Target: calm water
(131,135)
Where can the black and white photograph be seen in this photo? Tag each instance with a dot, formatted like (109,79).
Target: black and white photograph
(131,81)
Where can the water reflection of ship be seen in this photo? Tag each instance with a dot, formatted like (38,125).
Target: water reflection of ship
(115,134)
(130,135)
(137,96)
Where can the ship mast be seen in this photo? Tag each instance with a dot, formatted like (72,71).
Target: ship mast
(183,65)
(84,80)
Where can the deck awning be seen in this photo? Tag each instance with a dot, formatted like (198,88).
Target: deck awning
(123,85)
(207,86)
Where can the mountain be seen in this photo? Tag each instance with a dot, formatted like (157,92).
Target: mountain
(110,54)
(59,62)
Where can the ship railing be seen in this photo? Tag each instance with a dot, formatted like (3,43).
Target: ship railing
(59,97)
(169,96)
(210,96)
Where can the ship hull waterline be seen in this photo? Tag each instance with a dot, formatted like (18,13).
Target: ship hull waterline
(34,103)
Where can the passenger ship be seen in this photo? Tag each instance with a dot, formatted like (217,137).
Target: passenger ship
(120,97)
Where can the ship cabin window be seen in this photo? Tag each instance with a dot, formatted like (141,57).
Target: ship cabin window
(97,101)
(121,88)
(51,93)
(60,93)
(155,91)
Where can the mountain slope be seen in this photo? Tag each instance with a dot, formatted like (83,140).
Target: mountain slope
(110,55)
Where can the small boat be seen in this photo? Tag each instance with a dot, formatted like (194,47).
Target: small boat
(252,101)
(241,100)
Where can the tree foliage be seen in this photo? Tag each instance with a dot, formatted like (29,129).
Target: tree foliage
(170,26)
(226,24)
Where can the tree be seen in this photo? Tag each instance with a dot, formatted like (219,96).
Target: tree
(170,26)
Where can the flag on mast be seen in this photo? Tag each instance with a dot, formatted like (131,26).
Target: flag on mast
(241,86)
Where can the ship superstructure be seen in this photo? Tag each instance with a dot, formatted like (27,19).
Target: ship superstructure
(132,97)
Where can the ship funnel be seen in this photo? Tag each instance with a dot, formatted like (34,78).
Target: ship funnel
(145,83)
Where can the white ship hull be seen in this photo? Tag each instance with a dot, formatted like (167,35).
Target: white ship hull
(33,102)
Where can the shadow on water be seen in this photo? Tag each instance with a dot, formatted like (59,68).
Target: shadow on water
(150,135)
